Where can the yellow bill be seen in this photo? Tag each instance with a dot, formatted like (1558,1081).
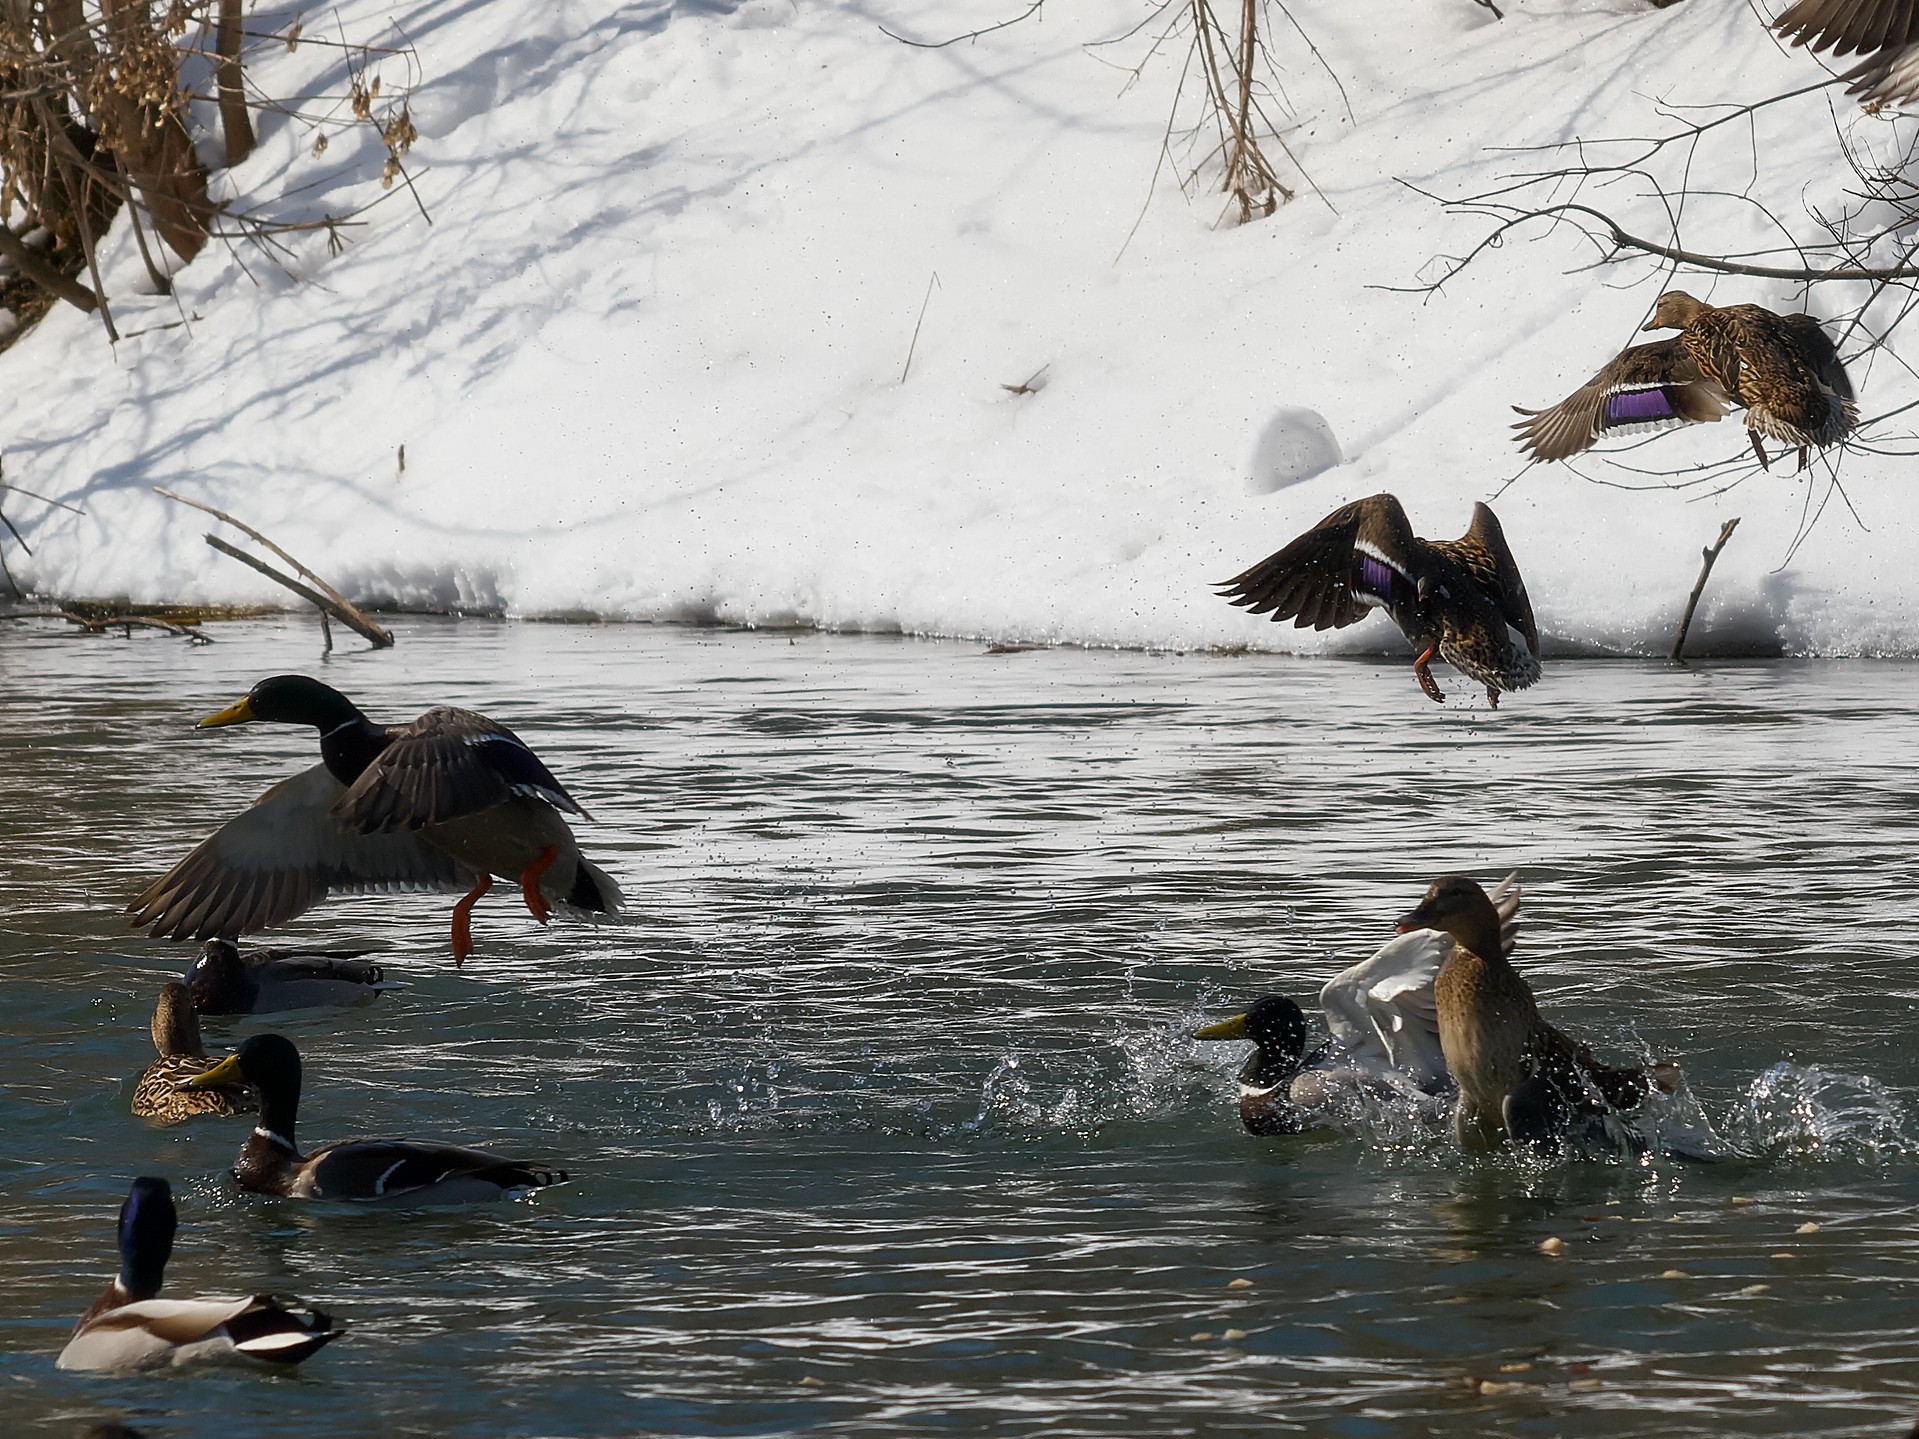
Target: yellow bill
(227,1071)
(241,713)
(1234,1028)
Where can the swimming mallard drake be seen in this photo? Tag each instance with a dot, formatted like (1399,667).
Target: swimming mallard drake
(129,1328)
(1781,368)
(366,1171)
(1886,32)
(1382,1032)
(1462,598)
(1519,1078)
(176,1034)
(446,802)
(224,981)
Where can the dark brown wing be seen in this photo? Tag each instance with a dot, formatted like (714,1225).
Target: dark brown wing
(1508,589)
(279,858)
(1360,556)
(1809,338)
(1645,387)
(1848,27)
(447,763)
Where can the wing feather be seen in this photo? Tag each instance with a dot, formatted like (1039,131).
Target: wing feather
(447,764)
(280,857)
(1312,581)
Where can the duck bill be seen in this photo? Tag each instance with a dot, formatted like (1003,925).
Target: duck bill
(1234,1028)
(1412,920)
(241,713)
(227,1071)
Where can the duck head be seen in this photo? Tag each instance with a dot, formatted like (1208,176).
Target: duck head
(1459,907)
(147,1222)
(271,1064)
(1674,311)
(176,1028)
(1277,1026)
(289,699)
(218,979)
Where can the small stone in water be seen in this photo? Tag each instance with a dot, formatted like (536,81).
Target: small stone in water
(1239,1284)
(1752,1290)
(1202,1336)
(1783,1254)
(1585,1384)
(1233,1336)
(1807,1228)
(1674,1274)
(1743,1199)
(810,1382)
(1514,1368)
(1555,1245)
(1493,1386)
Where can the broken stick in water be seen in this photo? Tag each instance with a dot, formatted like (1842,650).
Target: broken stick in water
(1709,555)
(321,595)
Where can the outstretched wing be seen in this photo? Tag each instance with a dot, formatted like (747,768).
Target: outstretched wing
(1507,588)
(1648,387)
(280,857)
(1382,1008)
(447,763)
(1848,27)
(1361,556)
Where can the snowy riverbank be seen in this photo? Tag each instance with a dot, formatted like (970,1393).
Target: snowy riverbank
(647,359)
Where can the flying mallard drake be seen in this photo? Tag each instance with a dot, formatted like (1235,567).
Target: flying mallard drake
(1885,32)
(176,1034)
(129,1328)
(1782,369)
(1382,1034)
(1462,598)
(446,802)
(224,981)
(1520,1079)
(364,1171)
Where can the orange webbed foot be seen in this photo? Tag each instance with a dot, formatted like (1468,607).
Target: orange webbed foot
(463,919)
(1425,676)
(536,904)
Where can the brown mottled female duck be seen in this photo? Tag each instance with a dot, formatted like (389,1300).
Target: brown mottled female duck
(1885,32)
(1782,369)
(446,802)
(1520,1079)
(130,1328)
(176,1034)
(1462,599)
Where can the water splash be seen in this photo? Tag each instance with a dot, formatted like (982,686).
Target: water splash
(1815,1112)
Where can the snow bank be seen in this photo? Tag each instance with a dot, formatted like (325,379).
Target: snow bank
(649,360)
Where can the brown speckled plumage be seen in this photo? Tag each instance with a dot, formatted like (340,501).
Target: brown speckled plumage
(1781,369)
(1463,599)
(1490,1028)
(176,1035)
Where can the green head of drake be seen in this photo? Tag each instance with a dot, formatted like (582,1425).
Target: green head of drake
(289,699)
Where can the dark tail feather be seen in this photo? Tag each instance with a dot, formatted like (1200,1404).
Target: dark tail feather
(280,1335)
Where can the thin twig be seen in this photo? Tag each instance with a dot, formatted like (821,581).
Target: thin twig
(931,285)
(349,614)
(1709,556)
(94,624)
(345,614)
(1030,10)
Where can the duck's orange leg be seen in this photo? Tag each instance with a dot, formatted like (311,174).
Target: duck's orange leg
(1759,450)
(463,919)
(1425,676)
(536,904)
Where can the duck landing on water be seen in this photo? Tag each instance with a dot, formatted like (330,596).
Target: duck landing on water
(1520,1079)
(1782,369)
(1460,599)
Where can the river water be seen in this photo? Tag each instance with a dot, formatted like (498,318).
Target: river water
(881,1110)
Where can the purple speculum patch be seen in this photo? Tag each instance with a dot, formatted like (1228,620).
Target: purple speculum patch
(1376,576)
(1640,407)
